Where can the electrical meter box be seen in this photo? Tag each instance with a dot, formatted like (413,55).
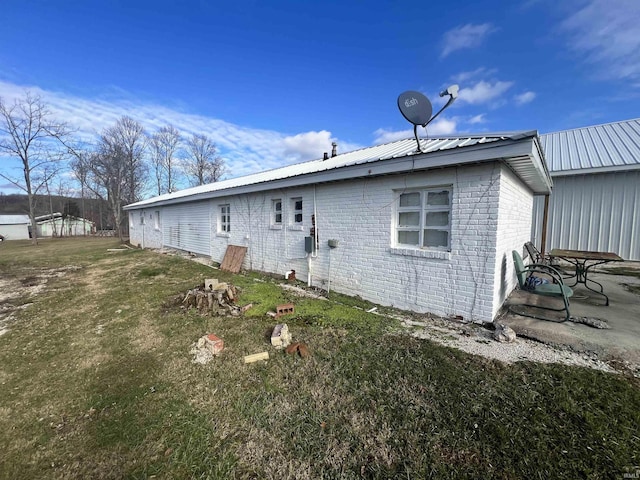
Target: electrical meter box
(308,244)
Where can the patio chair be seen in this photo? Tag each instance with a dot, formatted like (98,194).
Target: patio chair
(535,255)
(557,289)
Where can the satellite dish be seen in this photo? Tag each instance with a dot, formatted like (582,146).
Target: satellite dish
(415,107)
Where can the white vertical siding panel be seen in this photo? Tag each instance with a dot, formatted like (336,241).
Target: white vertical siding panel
(593,212)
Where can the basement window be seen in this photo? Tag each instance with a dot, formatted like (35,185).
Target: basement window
(224,221)
(423,219)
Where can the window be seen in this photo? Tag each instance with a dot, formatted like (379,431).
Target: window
(276,209)
(424,219)
(296,211)
(141,218)
(224,223)
(157,219)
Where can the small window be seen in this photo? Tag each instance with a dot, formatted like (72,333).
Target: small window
(141,218)
(157,219)
(424,219)
(296,210)
(225,219)
(276,208)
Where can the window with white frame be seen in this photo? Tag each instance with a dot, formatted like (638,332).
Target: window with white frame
(423,219)
(224,221)
(296,211)
(276,211)
(157,219)
(142,218)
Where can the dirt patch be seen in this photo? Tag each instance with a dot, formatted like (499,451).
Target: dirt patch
(17,291)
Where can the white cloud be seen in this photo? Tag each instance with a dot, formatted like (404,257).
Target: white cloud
(309,144)
(463,77)
(606,34)
(477,119)
(465,36)
(440,126)
(246,150)
(483,92)
(525,97)
(382,135)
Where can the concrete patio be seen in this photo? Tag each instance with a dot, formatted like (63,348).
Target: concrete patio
(621,342)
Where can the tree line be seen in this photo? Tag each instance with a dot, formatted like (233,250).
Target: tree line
(118,166)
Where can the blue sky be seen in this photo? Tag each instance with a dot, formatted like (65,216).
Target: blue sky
(276,82)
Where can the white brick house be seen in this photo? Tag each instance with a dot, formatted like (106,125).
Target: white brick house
(428,232)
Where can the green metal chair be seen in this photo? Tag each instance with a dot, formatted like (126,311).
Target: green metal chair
(557,289)
(535,255)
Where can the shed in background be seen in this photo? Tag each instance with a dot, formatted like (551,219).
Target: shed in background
(58,225)
(14,227)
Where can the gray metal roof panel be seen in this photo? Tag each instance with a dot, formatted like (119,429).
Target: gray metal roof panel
(14,219)
(612,145)
(388,151)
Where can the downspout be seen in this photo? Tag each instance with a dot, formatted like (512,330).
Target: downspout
(315,215)
(142,226)
(545,219)
(313,254)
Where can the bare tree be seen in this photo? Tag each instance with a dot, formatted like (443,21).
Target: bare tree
(115,171)
(203,165)
(107,178)
(28,132)
(127,139)
(164,145)
(80,169)
(47,187)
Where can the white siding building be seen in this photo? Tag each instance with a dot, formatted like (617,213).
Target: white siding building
(428,232)
(14,227)
(596,196)
(54,225)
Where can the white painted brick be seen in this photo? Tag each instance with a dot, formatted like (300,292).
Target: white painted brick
(491,215)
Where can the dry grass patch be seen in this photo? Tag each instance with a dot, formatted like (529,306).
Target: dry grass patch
(97,382)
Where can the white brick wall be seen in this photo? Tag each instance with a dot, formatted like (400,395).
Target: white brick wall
(516,210)
(471,280)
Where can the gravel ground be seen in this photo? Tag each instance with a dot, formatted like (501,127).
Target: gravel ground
(478,340)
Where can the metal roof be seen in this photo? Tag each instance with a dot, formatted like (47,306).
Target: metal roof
(389,158)
(14,219)
(599,148)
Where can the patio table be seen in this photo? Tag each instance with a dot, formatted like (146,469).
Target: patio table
(584,261)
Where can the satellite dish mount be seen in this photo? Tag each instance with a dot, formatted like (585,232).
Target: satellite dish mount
(417,109)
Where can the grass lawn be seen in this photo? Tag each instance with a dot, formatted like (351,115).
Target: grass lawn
(96,381)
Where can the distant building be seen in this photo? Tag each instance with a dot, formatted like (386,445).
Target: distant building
(15,227)
(57,225)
